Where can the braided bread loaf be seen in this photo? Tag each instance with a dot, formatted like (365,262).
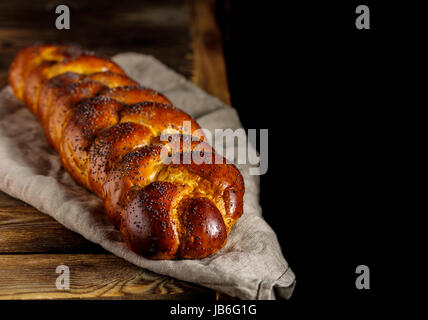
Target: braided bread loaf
(107,130)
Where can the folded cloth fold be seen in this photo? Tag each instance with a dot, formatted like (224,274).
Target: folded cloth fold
(250,266)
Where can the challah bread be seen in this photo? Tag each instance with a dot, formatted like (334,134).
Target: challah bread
(107,130)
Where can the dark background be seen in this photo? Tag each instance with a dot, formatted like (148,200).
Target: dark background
(338,105)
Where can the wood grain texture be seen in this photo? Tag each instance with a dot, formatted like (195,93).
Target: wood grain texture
(33,276)
(23,229)
(158,28)
(209,70)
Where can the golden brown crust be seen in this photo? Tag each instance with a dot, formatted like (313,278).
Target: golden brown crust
(107,130)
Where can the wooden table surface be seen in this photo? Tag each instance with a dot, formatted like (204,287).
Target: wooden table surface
(183,35)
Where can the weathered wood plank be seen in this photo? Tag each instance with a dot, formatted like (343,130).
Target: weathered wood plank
(33,276)
(209,64)
(95,13)
(158,28)
(23,229)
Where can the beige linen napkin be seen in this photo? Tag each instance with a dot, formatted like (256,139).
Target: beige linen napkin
(250,266)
